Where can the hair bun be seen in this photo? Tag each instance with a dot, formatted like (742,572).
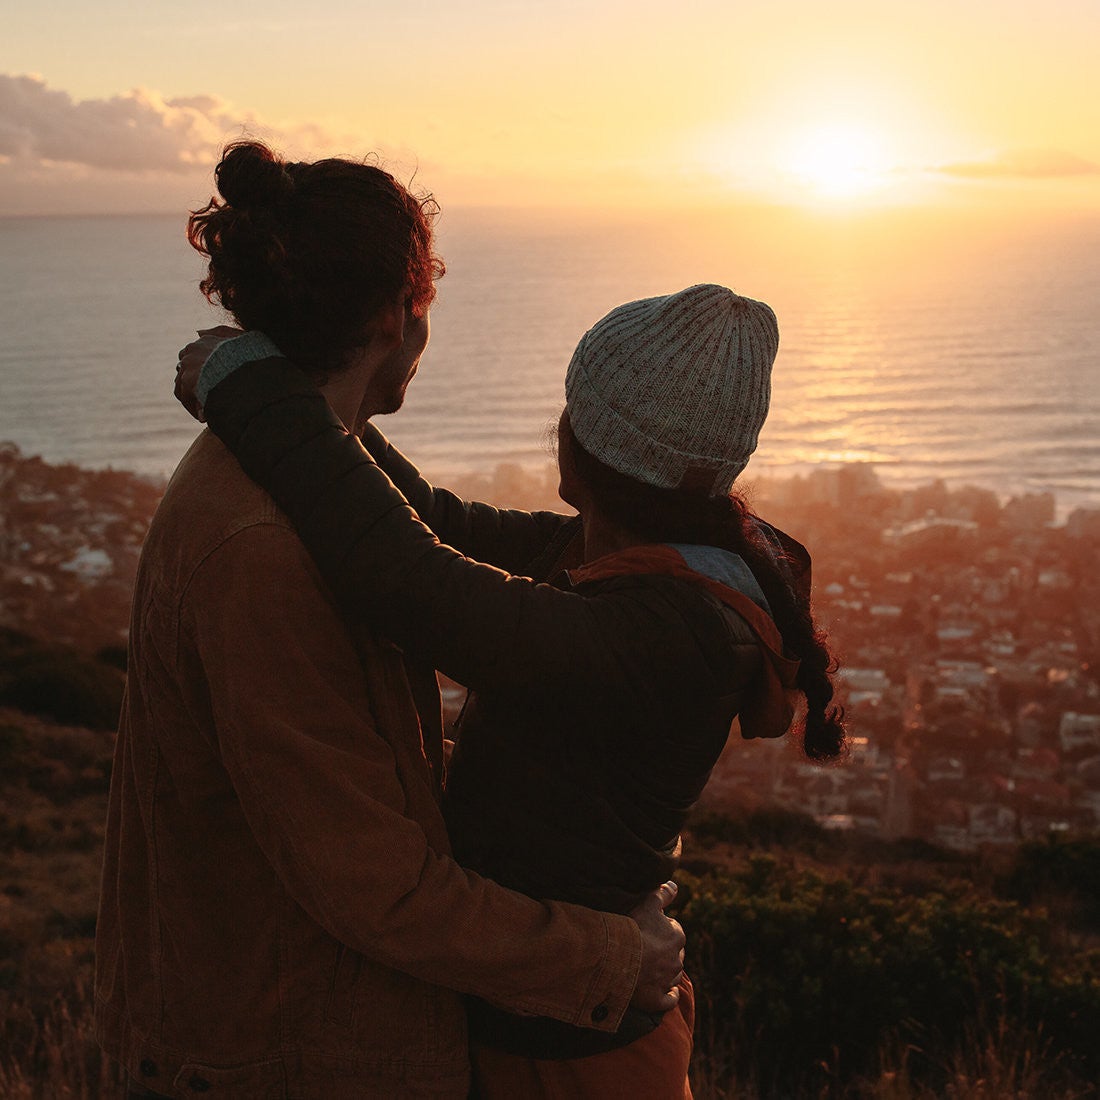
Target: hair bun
(250,175)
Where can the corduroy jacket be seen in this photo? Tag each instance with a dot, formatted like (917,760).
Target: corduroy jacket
(280,913)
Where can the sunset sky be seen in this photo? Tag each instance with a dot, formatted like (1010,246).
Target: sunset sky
(602,103)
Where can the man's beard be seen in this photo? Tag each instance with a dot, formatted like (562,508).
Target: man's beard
(391,405)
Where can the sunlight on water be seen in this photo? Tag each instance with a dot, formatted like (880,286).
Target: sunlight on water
(931,347)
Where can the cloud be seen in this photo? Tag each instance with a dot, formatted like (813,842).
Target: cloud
(1024,164)
(136,132)
(139,151)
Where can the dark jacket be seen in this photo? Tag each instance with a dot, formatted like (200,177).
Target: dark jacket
(601,701)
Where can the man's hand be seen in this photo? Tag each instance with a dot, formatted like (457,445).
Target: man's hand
(191,360)
(662,953)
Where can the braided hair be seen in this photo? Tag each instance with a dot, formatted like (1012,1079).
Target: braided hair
(779,566)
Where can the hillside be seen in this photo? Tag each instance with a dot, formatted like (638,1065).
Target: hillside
(826,964)
(922,918)
(53,803)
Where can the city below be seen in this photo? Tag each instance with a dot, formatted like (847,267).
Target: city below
(967,626)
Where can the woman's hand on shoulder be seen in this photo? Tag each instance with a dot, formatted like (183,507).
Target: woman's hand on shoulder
(190,363)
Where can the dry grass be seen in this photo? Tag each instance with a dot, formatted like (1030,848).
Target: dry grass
(991,1062)
(53,1055)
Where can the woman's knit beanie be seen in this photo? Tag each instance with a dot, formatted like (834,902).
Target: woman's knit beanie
(673,391)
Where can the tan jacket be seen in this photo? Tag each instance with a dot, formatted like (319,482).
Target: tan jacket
(280,914)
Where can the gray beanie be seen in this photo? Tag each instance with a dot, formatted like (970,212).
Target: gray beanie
(673,391)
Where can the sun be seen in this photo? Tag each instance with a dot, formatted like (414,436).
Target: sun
(837,161)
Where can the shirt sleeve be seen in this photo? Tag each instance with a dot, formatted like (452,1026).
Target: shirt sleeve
(509,538)
(482,626)
(326,795)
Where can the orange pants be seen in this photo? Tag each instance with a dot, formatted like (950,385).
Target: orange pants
(654,1067)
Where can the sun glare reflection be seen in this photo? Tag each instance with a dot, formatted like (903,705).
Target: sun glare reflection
(837,161)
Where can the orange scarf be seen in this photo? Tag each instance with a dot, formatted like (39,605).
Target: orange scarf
(768,712)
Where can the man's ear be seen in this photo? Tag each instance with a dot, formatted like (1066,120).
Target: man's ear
(389,325)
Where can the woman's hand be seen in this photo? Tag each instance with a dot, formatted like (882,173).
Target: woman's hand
(191,360)
(662,952)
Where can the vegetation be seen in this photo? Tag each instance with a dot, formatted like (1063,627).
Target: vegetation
(53,799)
(811,986)
(825,965)
(1063,876)
(57,682)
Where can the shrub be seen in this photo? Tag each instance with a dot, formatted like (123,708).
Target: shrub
(13,743)
(113,655)
(1063,869)
(803,980)
(764,828)
(59,684)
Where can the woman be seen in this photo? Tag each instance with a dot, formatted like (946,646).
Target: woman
(602,696)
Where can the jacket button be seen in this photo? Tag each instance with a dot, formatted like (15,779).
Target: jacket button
(600,1013)
(147,1067)
(198,1084)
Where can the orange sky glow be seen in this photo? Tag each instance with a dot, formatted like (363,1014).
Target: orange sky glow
(604,104)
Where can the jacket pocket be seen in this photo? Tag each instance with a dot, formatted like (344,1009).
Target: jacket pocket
(263,1080)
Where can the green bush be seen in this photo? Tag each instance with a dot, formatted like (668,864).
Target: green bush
(13,743)
(114,655)
(765,828)
(1060,868)
(803,980)
(58,683)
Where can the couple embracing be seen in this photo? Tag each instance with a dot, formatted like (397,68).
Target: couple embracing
(304,894)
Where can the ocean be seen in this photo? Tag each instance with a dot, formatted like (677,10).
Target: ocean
(957,347)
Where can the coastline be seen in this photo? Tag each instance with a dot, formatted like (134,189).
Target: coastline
(531,476)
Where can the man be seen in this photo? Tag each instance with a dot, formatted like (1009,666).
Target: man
(280,914)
